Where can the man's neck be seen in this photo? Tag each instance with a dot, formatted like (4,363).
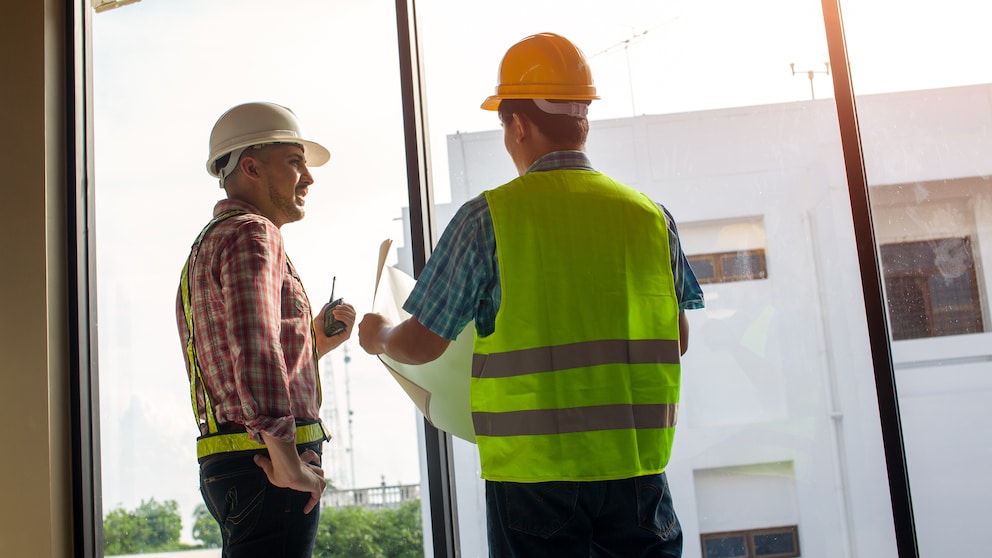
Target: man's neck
(536,155)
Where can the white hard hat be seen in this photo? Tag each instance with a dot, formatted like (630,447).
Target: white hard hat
(257,124)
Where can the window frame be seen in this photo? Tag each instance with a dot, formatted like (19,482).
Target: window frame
(922,276)
(717,261)
(84,412)
(749,545)
(81,278)
(440,463)
(869,265)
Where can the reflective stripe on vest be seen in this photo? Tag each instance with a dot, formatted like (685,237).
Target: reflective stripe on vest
(580,380)
(215,442)
(574,355)
(580,419)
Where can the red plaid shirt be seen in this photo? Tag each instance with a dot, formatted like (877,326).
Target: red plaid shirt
(251,322)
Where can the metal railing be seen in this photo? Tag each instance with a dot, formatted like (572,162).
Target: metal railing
(375,497)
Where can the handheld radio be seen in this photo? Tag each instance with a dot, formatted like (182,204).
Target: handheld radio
(333,326)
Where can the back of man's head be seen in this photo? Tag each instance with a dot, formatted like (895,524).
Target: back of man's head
(562,130)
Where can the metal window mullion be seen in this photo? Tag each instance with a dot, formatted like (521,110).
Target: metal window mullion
(871,281)
(87,539)
(440,467)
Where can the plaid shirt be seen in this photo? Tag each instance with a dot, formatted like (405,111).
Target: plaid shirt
(252,328)
(461,280)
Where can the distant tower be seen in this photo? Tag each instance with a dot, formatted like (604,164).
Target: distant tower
(351,414)
(335,461)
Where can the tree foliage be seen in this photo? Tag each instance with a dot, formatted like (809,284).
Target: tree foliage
(356,532)
(350,532)
(151,527)
(205,528)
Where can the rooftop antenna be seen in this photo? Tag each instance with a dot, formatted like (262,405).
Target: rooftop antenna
(626,51)
(810,74)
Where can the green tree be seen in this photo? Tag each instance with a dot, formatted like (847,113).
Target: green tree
(205,528)
(356,532)
(400,532)
(151,527)
(346,533)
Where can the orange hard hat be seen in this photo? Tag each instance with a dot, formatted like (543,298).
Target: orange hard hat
(543,66)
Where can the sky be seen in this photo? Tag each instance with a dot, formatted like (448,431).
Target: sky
(163,71)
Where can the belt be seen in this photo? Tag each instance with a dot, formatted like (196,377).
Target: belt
(211,444)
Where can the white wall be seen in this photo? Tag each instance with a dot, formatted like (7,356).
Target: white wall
(36,472)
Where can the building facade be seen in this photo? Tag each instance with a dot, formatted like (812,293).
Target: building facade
(778,450)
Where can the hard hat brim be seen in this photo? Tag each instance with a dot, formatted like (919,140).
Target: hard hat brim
(492,102)
(316,154)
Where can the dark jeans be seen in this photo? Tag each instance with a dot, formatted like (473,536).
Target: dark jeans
(620,518)
(256,518)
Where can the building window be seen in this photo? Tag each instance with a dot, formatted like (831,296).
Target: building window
(724,267)
(931,288)
(775,542)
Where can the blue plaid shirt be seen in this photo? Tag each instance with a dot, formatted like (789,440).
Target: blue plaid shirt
(460,282)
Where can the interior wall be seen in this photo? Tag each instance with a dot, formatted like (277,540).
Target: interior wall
(35,472)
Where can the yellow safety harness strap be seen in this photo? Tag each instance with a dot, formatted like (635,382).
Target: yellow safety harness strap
(195,375)
(313,343)
(211,444)
(215,442)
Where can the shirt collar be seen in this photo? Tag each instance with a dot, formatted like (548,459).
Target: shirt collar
(561,160)
(225,205)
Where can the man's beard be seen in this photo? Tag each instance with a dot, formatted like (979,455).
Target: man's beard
(286,205)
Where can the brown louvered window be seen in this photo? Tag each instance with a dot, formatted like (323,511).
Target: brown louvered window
(724,267)
(775,542)
(931,289)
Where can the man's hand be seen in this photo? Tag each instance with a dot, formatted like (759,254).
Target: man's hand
(287,469)
(344,312)
(408,342)
(372,332)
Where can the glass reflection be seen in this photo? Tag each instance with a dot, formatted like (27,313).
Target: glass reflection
(163,72)
(923,108)
(722,113)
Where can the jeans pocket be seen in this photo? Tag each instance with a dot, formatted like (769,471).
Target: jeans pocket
(655,511)
(540,509)
(235,499)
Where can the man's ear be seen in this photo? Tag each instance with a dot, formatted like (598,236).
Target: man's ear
(520,126)
(249,166)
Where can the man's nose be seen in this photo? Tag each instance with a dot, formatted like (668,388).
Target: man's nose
(306,178)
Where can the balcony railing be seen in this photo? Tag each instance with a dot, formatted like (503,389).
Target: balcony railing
(375,497)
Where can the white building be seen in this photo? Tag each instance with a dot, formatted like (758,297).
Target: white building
(779,425)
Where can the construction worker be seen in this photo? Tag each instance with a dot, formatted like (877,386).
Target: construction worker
(577,285)
(249,342)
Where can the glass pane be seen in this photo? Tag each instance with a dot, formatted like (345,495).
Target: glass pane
(703,268)
(724,547)
(722,113)
(163,74)
(742,266)
(774,543)
(932,288)
(923,84)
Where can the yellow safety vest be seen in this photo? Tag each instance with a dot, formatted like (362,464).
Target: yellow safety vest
(580,380)
(214,441)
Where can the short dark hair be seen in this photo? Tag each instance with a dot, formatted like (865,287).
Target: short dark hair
(561,129)
(221,162)
(224,159)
